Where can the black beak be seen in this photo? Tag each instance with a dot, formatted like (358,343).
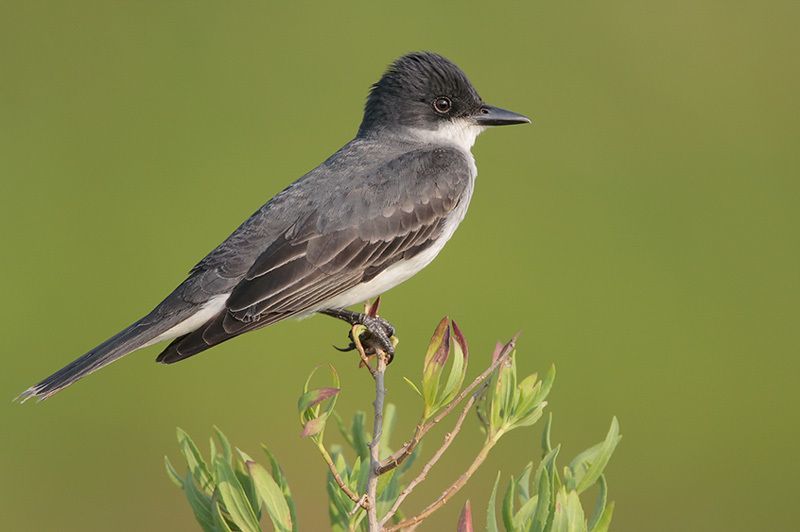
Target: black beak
(494,116)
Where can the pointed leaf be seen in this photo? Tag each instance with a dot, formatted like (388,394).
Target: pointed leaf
(314,426)
(568,516)
(491,511)
(465,519)
(413,386)
(600,504)
(460,341)
(435,359)
(605,521)
(314,397)
(544,497)
(280,478)
(508,506)
(272,496)
(457,373)
(172,474)
(220,523)
(588,465)
(546,445)
(233,497)
(195,461)
(227,451)
(524,482)
(200,503)
(524,517)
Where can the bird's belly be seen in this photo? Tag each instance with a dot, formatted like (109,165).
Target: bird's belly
(387,279)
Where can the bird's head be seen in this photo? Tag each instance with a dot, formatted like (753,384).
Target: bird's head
(425,95)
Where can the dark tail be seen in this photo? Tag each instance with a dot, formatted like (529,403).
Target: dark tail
(116,347)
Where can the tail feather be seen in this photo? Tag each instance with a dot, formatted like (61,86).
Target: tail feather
(138,335)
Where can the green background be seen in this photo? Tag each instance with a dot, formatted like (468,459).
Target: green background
(643,234)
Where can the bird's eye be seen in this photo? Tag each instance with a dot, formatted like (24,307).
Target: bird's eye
(442,105)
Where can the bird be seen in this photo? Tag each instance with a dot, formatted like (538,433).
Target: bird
(366,219)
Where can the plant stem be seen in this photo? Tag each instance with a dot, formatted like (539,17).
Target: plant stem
(449,492)
(448,439)
(404,452)
(375,445)
(350,493)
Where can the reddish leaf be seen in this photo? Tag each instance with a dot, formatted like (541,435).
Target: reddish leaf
(465,519)
(462,342)
(498,348)
(372,308)
(314,427)
(315,397)
(440,336)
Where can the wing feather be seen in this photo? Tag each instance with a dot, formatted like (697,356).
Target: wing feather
(335,249)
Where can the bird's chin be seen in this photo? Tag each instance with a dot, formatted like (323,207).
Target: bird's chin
(460,133)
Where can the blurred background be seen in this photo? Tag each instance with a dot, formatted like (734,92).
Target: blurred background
(643,234)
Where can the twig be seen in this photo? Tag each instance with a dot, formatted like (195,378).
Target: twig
(360,349)
(361,503)
(375,445)
(350,493)
(449,492)
(405,451)
(448,439)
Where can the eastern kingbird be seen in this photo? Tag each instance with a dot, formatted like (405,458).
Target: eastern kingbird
(371,216)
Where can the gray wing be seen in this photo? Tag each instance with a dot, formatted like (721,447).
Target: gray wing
(361,228)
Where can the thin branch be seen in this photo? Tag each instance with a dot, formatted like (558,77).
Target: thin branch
(405,451)
(375,445)
(448,439)
(449,492)
(339,482)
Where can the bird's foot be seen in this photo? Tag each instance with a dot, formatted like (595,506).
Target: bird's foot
(377,336)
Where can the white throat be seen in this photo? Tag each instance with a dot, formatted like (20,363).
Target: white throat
(459,133)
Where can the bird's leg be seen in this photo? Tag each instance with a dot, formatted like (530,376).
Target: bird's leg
(377,336)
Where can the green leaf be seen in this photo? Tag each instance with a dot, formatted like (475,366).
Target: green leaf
(195,461)
(546,445)
(587,467)
(313,414)
(360,436)
(605,521)
(220,523)
(508,506)
(523,518)
(544,497)
(200,503)
(502,395)
(491,512)
(568,516)
(600,504)
(227,451)
(547,384)
(435,359)
(272,496)
(457,371)
(524,482)
(280,478)
(234,497)
(413,386)
(172,473)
